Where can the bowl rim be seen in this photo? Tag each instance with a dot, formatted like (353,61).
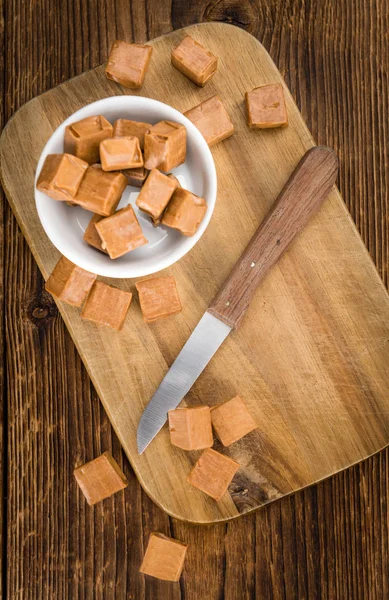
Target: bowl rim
(130,271)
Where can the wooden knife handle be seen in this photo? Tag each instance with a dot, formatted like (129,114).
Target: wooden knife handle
(304,192)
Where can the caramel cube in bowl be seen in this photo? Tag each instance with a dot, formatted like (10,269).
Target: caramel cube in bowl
(83,137)
(158,298)
(155,194)
(91,236)
(70,283)
(121,232)
(100,192)
(232,420)
(266,107)
(164,557)
(107,305)
(100,478)
(184,212)
(213,473)
(191,428)
(127,63)
(136,177)
(125,127)
(165,146)
(194,61)
(61,176)
(120,153)
(212,120)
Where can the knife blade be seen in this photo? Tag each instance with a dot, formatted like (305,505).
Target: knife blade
(303,194)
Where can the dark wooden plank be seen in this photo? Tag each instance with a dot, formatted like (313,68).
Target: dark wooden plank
(327,542)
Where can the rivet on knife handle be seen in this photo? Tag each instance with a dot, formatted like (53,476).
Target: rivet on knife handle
(303,194)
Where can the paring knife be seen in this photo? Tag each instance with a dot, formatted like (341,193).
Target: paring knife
(304,192)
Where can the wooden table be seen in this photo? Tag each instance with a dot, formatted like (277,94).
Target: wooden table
(330,541)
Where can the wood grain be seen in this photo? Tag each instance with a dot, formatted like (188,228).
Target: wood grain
(335,59)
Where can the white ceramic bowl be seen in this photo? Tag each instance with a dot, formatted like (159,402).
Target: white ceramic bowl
(65,225)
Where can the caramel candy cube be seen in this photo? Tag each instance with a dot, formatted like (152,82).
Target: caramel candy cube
(155,194)
(61,175)
(121,232)
(120,153)
(212,120)
(266,107)
(164,557)
(165,146)
(127,63)
(184,212)
(83,137)
(100,478)
(136,177)
(107,305)
(70,283)
(125,127)
(231,421)
(191,428)
(213,473)
(194,61)
(91,236)
(100,192)
(158,298)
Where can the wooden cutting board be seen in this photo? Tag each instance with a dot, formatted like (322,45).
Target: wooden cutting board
(312,356)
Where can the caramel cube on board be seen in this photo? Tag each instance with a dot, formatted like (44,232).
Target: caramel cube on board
(100,192)
(83,137)
(91,236)
(127,63)
(191,428)
(231,421)
(164,557)
(121,232)
(100,478)
(194,61)
(125,127)
(212,120)
(155,194)
(107,305)
(136,177)
(266,107)
(70,283)
(120,153)
(184,212)
(213,473)
(61,175)
(165,146)
(158,298)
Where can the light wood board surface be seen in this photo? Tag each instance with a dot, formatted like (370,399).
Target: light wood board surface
(311,358)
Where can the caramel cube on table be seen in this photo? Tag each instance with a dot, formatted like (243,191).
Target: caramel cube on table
(232,420)
(213,473)
(266,107)
(120,153)
(83,137)
(165,146)
(100,478)
(212,120)
(91,236)
(136,177)
(107,305)
(155,194)
(194,61)
(127,63)
(69,283)
(61,175)
(191,428)
(100,192)
(126,127)
(158,298)
(120,233)
(164,557)
(184,212)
